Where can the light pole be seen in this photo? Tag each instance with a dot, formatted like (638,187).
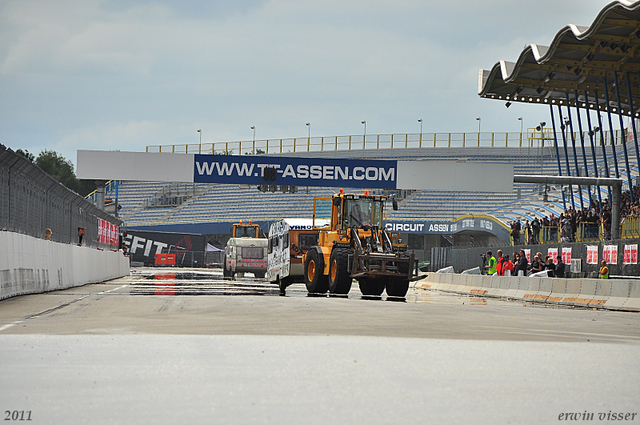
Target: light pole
(420,121)
(541,129)
(253,149)
(200,148)
(521,127)
(309,130)
(364,135)
(479,121)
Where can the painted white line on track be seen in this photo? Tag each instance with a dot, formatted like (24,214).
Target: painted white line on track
(112,290)
(10,325)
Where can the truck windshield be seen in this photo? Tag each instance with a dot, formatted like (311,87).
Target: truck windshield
(246,232)
(363,212)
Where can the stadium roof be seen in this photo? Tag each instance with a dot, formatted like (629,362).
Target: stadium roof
(579,58)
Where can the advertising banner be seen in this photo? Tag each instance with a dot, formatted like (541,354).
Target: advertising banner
(592,254)
(610,254)
(295,171)
(553,254)
(630,254)
(144,245)
(465,223)
(108,233)
(324,171)
(566,255)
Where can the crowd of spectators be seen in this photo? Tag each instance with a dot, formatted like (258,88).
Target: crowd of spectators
(568,223)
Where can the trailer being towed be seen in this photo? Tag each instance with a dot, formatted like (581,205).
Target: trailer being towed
(289,240)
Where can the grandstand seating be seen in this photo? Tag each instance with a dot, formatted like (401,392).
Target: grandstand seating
(230,202)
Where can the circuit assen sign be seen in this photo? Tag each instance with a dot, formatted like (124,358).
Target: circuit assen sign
(483,223)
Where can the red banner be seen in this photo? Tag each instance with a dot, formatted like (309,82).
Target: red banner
(108,233)
(630,254)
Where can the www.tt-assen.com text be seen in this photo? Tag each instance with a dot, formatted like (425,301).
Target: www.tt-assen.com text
(302,171)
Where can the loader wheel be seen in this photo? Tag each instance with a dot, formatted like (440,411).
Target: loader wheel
(372,286)
(339,277)
(398,286)
(314,278)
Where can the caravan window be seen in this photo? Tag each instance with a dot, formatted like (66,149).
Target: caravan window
(251,252)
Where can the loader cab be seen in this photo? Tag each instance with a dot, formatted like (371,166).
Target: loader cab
(361,212)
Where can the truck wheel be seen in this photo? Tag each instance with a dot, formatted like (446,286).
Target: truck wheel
(372,286)
(259,275)
(339,277)
(398,286)
(314,278)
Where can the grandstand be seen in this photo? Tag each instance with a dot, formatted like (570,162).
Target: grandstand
(169,206)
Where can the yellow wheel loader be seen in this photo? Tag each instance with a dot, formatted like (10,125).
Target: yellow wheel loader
(353,243)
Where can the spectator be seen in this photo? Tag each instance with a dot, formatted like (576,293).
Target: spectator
(560,268)
(81,232)
(535,228)
(604,270)
(507,268)
(515,232)
(499,263)
(551,267)
(536,264)
(47,234)
(491,263)
(523,264)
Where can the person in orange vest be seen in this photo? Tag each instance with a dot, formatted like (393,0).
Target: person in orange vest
(604,270)
(507,266)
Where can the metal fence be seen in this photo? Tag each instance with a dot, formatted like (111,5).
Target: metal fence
(32,201)
(531,139)
(467,258)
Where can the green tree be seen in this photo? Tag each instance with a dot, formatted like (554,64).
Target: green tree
(26,154)
(61,169)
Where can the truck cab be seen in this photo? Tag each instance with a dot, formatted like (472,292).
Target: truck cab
(246,251)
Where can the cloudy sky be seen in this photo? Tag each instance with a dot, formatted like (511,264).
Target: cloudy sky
(124,74)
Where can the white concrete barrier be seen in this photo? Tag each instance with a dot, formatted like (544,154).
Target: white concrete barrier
(633,302)
(612,294)
(539,289)
(30,265)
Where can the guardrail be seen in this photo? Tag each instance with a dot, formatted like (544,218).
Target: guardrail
(530,139)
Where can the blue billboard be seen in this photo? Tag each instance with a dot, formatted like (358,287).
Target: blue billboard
(295,171)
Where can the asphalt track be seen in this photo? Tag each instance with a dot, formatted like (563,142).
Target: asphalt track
(193,348)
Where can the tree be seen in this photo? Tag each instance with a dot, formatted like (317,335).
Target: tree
(26,154)
(61,169)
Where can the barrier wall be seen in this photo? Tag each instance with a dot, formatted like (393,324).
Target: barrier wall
(30,265)
(610,294)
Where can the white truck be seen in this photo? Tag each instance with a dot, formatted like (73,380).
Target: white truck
(289,239)
(246,251)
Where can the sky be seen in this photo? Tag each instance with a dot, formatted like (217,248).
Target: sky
(122,75)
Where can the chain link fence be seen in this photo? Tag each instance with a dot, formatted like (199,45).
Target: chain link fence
(467,258)
(31,201)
